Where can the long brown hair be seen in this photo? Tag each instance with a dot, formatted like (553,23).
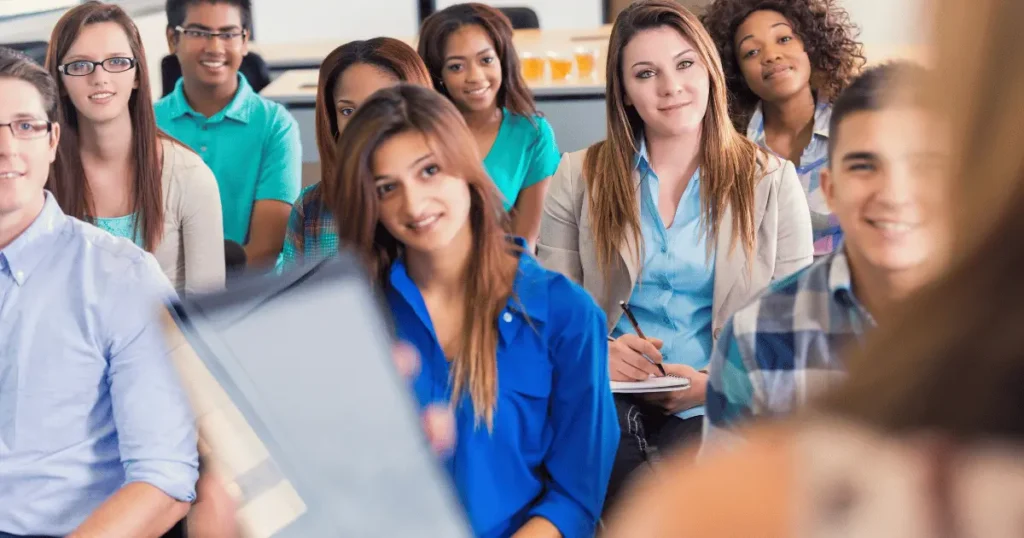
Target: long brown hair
(729,162)
(492,266)
(68,182)
(389,54)
(951,360)
(437,28)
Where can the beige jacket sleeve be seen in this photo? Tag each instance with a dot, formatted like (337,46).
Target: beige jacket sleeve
(795,237)
(558,243)
(195,201)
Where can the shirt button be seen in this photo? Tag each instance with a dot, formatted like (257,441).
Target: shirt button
(20,275)
(203,149)
(507,317)
(666,320)
(665,286)
(664,249)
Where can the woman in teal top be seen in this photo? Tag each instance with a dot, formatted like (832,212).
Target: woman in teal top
(469,52)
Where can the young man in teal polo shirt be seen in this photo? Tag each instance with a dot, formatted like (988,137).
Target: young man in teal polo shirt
(251,144)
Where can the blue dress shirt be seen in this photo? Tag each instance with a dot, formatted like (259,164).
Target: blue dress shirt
(674,293)
(555,430)
(89,400)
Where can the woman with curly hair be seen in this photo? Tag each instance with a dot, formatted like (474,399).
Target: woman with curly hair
(785,61)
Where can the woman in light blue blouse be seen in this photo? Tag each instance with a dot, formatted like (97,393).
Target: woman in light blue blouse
(469,52)
(518,351)
(675,213)
(784,62)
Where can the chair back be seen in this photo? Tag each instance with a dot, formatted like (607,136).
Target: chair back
(523,18)
(33,49)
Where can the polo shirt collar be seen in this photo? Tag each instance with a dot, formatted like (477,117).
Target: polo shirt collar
(29,249)
(239,109)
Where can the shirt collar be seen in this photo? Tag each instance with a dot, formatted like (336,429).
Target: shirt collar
(528,303)
(642,161)
(25,253)
(822,117)
(840,283)
(239,109)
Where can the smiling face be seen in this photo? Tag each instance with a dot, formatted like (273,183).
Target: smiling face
(355,85)
(212,61)
(101,96)
(421,204)
(771,56)
(24,160)
(885,185)
(472,70)
(666,81)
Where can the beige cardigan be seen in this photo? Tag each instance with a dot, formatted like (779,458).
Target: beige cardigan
(783,241)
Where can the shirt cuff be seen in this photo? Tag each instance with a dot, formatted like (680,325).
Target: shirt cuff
(566,515)
(176,479)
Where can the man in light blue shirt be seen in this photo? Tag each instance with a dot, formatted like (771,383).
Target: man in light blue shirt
(96,435)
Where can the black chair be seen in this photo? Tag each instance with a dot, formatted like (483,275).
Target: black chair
(254,67)
(523,18)
(33,49)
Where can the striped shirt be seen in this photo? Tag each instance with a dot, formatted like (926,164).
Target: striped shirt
(813,160)
(785,347)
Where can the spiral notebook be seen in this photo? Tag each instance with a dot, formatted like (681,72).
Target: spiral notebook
(666,383)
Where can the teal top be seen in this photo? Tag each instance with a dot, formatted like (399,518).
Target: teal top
(121,227)
(252,146)
(524,154)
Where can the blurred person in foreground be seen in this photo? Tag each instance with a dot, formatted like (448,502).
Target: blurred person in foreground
(926,437)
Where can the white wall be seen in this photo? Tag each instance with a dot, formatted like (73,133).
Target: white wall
(553,14)
(287,21)
(884,22)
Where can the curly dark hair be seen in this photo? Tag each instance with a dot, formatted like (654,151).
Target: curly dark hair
(828,34)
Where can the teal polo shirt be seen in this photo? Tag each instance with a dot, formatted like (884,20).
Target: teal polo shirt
(524,154)
(252,146)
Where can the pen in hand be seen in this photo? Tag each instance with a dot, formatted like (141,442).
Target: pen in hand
(640,333)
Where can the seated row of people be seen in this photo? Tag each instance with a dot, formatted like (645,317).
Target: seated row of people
(676,213)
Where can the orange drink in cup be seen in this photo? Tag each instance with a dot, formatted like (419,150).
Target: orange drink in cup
(561,66)
(532,66)
(586,62)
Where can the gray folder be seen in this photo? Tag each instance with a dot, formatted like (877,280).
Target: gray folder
(305,357)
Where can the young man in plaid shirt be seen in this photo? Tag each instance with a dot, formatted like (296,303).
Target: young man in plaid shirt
(883,182)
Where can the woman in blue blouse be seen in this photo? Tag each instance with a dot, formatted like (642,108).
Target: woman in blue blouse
(520,352)
(469,52)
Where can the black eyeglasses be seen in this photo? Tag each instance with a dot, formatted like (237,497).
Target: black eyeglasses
(82,68)
(29,129)
(196,33)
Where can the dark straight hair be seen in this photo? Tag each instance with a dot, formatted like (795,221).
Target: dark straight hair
(68,182)
(437,28)
(177,11)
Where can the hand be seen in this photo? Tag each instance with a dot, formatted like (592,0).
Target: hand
(213,514)
(438,419)
(681,400)
(625,361)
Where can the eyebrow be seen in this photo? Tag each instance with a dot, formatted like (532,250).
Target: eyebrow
(860,156)
(488,49)
(195,26)
(26,116)
(645,62)
(77,57)
(346,101)
(751,36)
(414,164)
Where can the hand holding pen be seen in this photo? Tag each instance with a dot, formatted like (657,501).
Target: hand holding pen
(633,357)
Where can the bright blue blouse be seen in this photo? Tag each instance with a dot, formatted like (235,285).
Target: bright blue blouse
(555,430)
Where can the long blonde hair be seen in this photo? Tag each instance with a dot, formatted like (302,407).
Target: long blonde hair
(729,162)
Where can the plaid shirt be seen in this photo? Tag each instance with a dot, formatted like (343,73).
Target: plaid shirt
(812,161)
(311,234)
(785,347)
